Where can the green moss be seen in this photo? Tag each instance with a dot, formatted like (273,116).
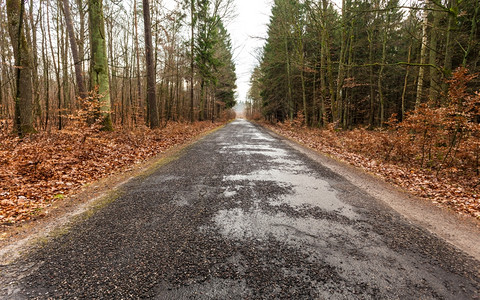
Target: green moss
(99,204)
(99,69)
(107,124)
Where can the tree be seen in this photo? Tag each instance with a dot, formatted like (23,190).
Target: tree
(225,72)
(204,56)
(153,120)
(99,80)
(276,64)
(74,49)
(192,55)
(23,64)
(423,55)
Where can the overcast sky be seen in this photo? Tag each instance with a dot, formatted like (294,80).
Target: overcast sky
(248,31)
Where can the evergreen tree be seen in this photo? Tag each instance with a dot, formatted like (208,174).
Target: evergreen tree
(225,71)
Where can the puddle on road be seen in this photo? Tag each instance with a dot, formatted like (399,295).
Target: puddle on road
(251,149)
(280,167)
(284,169)
(228,193)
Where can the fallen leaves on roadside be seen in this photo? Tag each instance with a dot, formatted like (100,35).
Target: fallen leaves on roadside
(44,167)
(451,188)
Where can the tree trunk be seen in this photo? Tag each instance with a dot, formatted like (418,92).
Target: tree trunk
(65,84)
(81,38)
(153,121)
(423,56)
(289,80)
(56,66)
(301,58)
(323,85)
(57,70)
(473,32)
(304,96)
(192,65)
(202,101)
(341,66)
(138,107)
(331,83)
(73,46)
(23,63)
(371,37)
(36,95)
(451,25)
(380,73)
(432,61)
(46,75)
(405,83)
(99,64)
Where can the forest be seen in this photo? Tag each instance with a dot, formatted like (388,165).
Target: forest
(91,87)
(143,63)
(361,63)
(390,85)
(88,87)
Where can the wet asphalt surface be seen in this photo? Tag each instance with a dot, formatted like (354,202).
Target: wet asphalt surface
(241,215)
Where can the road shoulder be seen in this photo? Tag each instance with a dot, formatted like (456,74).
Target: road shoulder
(19,240)
(461,231)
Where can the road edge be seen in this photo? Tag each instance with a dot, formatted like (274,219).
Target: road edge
(26,238)
(461,231)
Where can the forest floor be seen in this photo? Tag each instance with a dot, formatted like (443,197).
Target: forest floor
(42,168)
(453,191)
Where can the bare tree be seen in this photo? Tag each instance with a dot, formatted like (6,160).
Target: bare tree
(74,49)
(153,120)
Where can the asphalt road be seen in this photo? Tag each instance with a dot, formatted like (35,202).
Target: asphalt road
(242,215)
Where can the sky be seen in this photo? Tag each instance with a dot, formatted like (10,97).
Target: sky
(248,31)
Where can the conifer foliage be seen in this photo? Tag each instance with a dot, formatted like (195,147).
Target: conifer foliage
(357,64)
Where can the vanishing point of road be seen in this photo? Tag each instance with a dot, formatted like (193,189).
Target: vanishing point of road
(241,214)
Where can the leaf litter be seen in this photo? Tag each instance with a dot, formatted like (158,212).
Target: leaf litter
(453,188)
(45,167)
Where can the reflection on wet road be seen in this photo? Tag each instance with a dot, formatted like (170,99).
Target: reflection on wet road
(241,215)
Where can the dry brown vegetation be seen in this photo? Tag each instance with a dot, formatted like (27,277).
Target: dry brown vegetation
(37,170)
